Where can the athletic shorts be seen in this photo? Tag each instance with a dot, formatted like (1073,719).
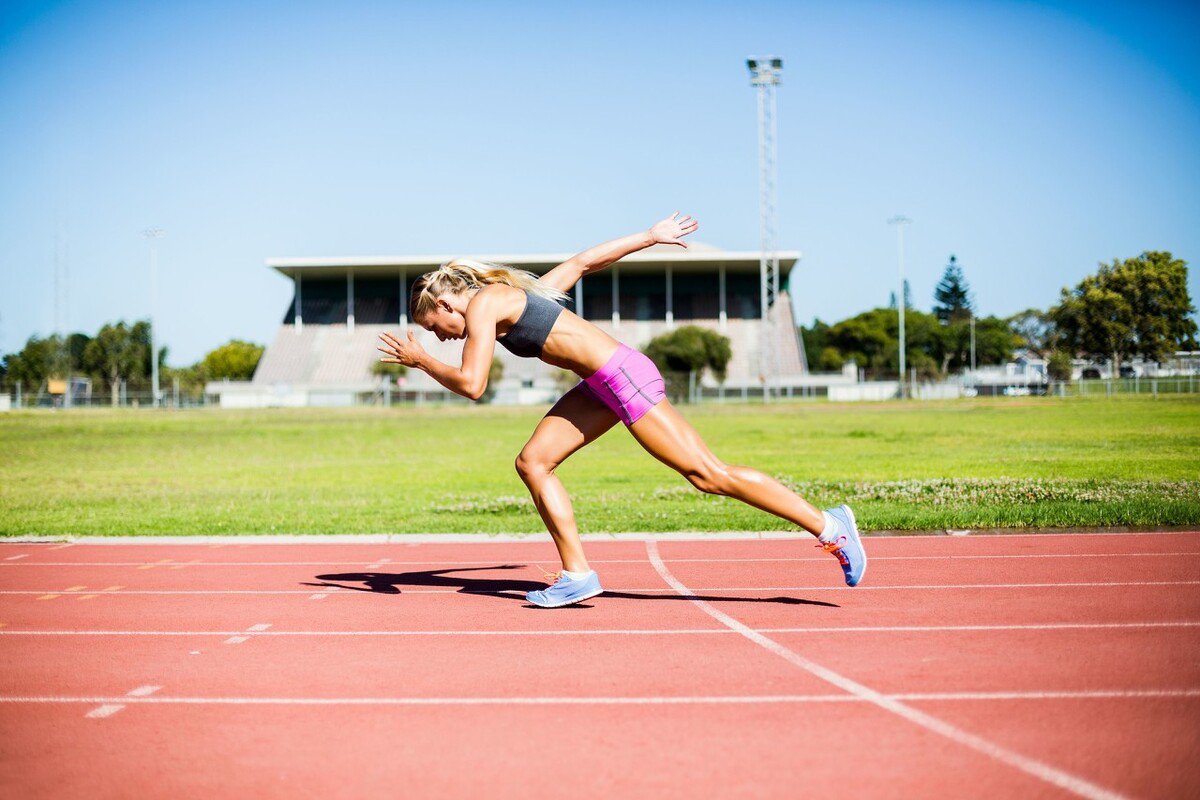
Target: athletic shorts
(629,384)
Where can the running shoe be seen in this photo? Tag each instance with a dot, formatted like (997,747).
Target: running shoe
(565,591)
(847,547)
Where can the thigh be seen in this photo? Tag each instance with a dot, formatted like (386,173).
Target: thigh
(670,438)
(577,418)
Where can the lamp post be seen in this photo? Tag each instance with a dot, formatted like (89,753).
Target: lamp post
(153,235)
(765,76)
(900,221)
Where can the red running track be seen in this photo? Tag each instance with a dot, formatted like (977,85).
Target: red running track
(1032,666)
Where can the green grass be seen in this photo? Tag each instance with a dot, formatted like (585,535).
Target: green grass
(964,464)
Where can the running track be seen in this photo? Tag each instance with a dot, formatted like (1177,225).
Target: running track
(1031,666)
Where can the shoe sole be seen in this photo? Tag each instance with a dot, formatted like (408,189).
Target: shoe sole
(857,538)
(570,602)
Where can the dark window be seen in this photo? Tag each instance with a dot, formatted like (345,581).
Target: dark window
(696,295)
(323,302)
(742,298)
(376,300)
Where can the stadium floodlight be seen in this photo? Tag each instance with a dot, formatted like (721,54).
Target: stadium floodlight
(153,235)
(900,221)
(765,76)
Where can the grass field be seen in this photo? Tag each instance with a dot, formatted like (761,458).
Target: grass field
(966,464)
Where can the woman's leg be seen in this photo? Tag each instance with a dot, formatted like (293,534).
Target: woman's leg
(668,437)
(576,419)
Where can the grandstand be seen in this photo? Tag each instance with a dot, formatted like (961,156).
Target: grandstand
(324,350)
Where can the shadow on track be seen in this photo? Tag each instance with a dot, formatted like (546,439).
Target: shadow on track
(507,588)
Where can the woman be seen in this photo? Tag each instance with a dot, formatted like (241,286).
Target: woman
(486,304)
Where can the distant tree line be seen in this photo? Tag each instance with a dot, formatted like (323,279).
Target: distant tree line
(1136,307)
(120,353)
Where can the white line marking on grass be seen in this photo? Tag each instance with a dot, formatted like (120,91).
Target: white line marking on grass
(646,631)
(1027,765)
(636,700)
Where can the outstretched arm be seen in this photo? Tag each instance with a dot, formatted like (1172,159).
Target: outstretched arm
(594,259)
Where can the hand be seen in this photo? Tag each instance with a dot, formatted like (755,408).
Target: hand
(670,229)
(396,351)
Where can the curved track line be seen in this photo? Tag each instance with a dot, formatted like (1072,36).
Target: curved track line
(1037,769)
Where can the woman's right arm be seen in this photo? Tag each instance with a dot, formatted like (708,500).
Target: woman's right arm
(594,259)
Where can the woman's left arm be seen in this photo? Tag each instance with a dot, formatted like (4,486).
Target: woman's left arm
(469,380)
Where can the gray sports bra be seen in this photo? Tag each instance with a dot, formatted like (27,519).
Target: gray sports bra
(528,335)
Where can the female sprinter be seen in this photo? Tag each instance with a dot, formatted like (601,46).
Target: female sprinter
(486,304)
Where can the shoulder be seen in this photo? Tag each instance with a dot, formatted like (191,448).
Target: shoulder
(495,300)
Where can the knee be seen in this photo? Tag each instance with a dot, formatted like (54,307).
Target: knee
(709,478)
(530,466)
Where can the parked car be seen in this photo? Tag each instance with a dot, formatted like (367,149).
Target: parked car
(1090,374)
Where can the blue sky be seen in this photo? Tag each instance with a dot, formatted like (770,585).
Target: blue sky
(1032,140)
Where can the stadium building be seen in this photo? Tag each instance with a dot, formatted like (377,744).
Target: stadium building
(324,351)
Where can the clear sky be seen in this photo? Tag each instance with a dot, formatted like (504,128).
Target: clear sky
(1032,140)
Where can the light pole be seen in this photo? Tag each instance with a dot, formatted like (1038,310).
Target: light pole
(153,235)
(765,76)
(900,221)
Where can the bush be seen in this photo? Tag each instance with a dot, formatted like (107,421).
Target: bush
(1058,366)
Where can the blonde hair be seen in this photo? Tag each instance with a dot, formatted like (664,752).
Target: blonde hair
(463,274)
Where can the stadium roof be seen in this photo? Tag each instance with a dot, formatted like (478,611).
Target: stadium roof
(652,259)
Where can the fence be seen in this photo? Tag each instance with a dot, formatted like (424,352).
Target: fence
(173,396)
(686,389)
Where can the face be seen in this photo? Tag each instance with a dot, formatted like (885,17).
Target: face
(444,323)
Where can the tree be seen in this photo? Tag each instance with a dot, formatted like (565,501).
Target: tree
(495,373)
(814,339)
(236,361)
(1139,306)
(119,352)
(953,296)
(871,339)
(1058,366)
(907,297)
(1035,331)
(688,349)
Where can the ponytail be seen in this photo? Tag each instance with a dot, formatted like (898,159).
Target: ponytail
(463,274)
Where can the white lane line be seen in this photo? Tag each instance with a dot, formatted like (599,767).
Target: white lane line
(1054,626)
(14,558)
(930,723)
(106,710)
(636,700)
(659,590)
(321,596)
(255,629)
(379,563)
(454,563)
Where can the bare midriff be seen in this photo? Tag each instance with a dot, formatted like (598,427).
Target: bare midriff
(573,343)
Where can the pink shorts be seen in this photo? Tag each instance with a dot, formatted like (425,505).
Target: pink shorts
(629,384)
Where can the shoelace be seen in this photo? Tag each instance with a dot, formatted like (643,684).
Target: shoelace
(835,547)
(550,577)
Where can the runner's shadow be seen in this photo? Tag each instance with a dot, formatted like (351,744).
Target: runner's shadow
(507,588)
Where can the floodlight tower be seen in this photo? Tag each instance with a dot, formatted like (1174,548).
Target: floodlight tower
(765,76)
(153,235)
(900,221)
